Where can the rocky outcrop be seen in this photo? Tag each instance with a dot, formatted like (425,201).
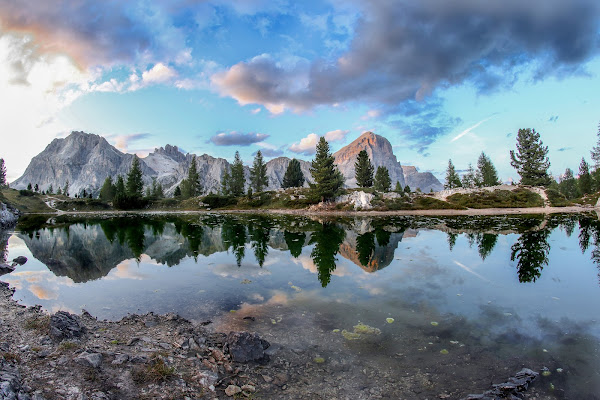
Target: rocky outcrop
(380,153)
(359,199)
(8,216)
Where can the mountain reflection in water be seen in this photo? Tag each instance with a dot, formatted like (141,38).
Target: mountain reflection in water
(88,249)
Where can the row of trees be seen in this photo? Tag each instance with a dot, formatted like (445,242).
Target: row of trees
(364,170)
(485,175)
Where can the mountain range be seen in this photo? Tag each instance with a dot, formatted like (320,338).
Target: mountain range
(85,160)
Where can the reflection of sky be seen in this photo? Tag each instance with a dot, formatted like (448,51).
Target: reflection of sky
(424,272)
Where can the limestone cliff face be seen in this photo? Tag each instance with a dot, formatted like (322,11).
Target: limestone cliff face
(425,181)
(380,152)
(83,159)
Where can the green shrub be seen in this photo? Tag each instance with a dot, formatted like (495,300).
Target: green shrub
(557,199)
(217,200)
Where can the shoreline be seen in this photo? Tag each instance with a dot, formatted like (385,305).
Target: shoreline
(338,213)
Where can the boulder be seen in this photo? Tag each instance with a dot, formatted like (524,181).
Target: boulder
(20,260)
(88,359)
(6,269)
(359,199)
(65,326)
(246,346)
(8,216)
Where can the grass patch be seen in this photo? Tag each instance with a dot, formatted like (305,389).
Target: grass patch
(518,198)
(40,324)
(27,204)
(413,203)
(588,199)
(156,371)
(557,199)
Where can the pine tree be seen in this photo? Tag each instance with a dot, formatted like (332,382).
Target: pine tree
(328,179)
(226,183)
(585,180)
(186,189)
(195,188)
(36,188)
(407,189)
(398,188)
(258,173)
(382,180)
(468,179)
(135,184)
(568,185)
(120,197)
(452,178)
(293,175)
(66,189)
(3,182)
(50,190)
(29,187)
(108,189)
(177,192)
(237,176)
(364,170)
(531,159)
(486,172)
(157,189)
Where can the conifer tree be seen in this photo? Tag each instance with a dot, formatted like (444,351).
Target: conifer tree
(157,189)
(486,172)
(36,188)
(258,173)
(328,179)
(452,178)
(3,182)
(531,159)
(468,179)
(29,187)
(382,180)
(293,175)
(585,180)
(226,183)
(364,170)
(108,189)
(407,189)
(66,189)
(398,188)
(135,184)
(568,185)
(237,176)
(177,192)
(195,188)
(50,190)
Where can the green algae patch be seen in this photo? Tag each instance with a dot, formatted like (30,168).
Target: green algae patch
(433,323)
(389,320)
(319,360)
(335,330)
(361,331)
(444,351)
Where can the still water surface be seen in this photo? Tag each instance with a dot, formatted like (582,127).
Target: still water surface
(463,301)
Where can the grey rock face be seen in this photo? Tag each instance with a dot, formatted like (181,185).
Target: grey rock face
(8,216)
(421,180)
(380,152)
(246,346)
(65,326)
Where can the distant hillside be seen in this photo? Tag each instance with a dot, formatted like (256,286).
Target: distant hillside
(85,160)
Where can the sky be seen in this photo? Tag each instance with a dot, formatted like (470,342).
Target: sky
(440,79)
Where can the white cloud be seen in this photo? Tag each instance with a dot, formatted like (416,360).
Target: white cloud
(160,73)
(307,145)
(336,136)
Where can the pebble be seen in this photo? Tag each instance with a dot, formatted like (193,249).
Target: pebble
(232,390)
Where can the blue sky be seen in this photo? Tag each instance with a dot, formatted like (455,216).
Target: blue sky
(439,79)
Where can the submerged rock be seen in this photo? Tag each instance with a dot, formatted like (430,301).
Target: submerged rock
(65,326)
(246,346)
(6,269)
(509,389)
(20,260)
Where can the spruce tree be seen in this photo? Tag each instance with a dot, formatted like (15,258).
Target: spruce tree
(328,179)
(407,189)
(195,188)
(468,179)
(66,189)
(135,184)
(29,187)
(398,188)
(237,176)
(486,172)
(226,183)
(383,182)
(293,175)
(531,159)
(36,188)
(364,170)
(3,182)
(157,189)
(108,189)
(258,173)
(585,180)
(452,178)
(177,192)
(50,190)
(568,185)
(186,189)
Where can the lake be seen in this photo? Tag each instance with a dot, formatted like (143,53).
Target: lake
(446,304)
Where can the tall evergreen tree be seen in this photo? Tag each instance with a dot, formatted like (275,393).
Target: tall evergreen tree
(531,159)
(195,188)
(468,179)
(237,176)
(398,188)
(226,183)
(157,189)
(108,189)
(364,170)
(452,178)
(50,190)
(585,180)
(293,175)
(407,189)
(36,188)
(66,189)
(186,189)
(177,192)
(3,182)
(568,185)
(328,179)
(135,184)
(486,172)
(29,187)
(383,182)
(258,173)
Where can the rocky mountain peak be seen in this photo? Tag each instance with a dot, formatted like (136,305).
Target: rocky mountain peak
(172,152)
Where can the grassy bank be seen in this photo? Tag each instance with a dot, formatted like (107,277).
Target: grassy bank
(25,201)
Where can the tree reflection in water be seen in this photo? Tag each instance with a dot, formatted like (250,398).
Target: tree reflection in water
(327,240)
(234,236)
(259,231)
(531,252)
(295,242)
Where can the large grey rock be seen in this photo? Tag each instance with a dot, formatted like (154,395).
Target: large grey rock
(359,199)
(246,346)
(65,326)
(8,216)
(425,181)
(89,359)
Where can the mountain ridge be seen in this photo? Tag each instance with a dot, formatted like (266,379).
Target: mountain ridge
(86,159)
